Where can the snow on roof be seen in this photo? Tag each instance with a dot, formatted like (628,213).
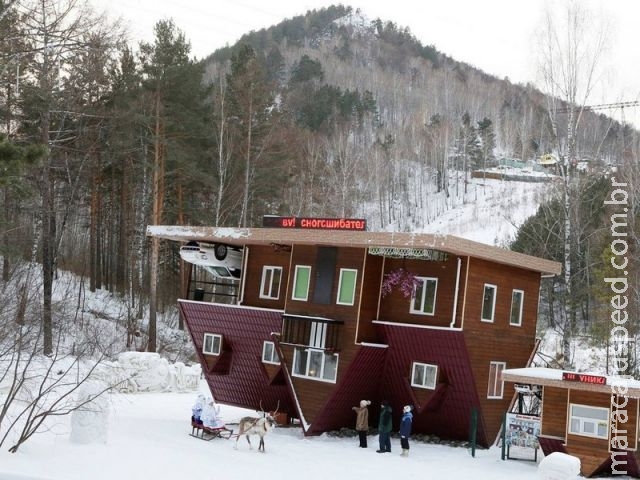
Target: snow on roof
(270,236)
(554,377)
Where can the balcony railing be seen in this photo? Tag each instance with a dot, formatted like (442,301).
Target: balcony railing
(316,332)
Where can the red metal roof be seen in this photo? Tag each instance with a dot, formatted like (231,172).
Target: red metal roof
(360,382)
(447,350)
(243,382)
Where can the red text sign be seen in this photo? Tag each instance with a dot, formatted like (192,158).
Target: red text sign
(584,378)
(357,224)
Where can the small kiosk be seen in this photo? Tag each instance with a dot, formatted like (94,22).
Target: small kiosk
(592,417)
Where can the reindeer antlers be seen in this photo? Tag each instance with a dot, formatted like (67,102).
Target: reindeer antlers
(274,413)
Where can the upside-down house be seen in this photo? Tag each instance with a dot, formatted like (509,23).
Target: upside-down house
(320,319)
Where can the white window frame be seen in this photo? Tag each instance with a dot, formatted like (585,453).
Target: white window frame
(497,385)
(307,373)
(423,285)
(493,306)
(318,335)
(272,359)
(213,336)
(295,282)
(424,384)
(267,281)
(519,322)
(353,293)
(583,421)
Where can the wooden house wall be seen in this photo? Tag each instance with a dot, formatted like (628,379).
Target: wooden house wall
(313,394)
(498,341)
(554,412)
(370,294)
(396,307)
(631,424)
(260,256)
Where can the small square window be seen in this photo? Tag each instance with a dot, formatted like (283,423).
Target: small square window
(212,344)
(424,375)
(269,354)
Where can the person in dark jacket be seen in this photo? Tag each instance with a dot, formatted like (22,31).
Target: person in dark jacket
(405,429)
(384,428)
(362,421)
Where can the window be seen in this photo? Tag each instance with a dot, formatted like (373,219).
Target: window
(424,375)
(315,364)
(488,302)
(212,344)
(423,300)
(496,385)
(517,300)
(269,354)
(318,335)
(301,283)
(270,285)
(347,286)
(589,421)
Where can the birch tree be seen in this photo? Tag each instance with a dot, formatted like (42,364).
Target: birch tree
(571,47)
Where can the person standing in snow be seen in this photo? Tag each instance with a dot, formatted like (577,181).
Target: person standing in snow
(405,429)
(384,428)
(362,421)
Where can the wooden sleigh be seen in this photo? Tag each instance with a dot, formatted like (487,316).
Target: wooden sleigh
(198,430)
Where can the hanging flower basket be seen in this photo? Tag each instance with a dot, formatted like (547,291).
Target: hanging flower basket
(402,279)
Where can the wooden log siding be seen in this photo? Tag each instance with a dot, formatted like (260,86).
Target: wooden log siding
(397,307)
(498,341)
(554,412)
(261,256)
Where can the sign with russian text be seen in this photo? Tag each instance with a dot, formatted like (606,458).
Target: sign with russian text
(522,430)
(312,223)
(584,378)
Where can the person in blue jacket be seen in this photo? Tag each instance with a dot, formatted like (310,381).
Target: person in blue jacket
(405,429)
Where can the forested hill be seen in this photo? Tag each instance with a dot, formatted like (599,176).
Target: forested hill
(364,119)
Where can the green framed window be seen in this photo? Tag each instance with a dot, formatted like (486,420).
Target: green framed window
(347,286)
(301,281)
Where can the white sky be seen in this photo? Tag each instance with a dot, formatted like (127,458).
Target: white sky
(496,36)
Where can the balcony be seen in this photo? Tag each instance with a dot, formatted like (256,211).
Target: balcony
(315,332)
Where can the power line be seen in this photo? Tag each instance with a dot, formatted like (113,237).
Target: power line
(602,106)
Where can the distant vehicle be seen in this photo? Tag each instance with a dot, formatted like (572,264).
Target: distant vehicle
(222,261)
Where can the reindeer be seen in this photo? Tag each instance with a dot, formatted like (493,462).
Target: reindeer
(257,426)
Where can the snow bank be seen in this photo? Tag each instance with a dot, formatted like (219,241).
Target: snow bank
(90,422)
(559,466)
(136,372)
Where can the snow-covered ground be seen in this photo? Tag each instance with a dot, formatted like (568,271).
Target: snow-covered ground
(148,439)
(147,436)
(495,211)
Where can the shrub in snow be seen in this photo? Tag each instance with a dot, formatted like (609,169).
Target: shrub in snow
(90,421)
(559,466)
